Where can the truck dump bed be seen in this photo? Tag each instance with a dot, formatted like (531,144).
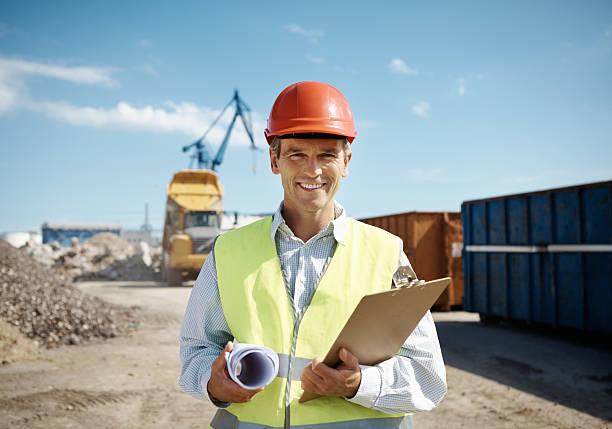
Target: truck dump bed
(196,190)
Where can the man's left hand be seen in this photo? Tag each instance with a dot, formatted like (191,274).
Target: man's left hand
(326,381)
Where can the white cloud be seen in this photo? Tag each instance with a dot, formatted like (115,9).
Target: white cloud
(397,65)
(82,75)
(184,118)
(421,109)
(13,74)
(315,60)
(461,89)
(312,35)
(144,43)
(9,92)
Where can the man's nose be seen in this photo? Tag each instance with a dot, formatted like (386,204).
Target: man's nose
(313,167)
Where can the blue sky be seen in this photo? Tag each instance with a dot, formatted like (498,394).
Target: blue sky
(453,100)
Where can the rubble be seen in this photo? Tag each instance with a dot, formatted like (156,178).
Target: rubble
(14,345)
(104,256)
(45,307)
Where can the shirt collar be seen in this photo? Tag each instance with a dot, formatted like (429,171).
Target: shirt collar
(338,226)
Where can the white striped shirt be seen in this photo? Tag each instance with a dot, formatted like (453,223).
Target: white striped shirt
(413,380)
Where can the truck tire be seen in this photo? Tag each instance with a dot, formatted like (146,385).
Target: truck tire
(174,277)
(170,276)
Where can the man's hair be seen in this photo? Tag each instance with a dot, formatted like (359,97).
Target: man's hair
(275,145)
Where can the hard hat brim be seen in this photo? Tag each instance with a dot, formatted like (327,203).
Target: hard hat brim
(332,129)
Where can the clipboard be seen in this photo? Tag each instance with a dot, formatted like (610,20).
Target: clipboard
(395,312)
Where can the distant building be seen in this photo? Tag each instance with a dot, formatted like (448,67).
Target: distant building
(135,236)
(64,233)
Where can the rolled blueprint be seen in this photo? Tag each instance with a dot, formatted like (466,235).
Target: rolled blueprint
(252,366)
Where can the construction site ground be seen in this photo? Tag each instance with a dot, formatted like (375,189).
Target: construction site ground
(498,376)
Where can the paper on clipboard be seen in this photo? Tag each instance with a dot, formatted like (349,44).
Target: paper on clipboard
(381,322)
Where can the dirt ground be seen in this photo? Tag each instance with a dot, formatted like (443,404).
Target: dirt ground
(498,377)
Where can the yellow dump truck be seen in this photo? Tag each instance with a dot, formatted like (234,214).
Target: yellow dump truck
(193,220)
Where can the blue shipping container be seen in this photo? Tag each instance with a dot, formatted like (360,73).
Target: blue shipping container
(543,257)
(64,233)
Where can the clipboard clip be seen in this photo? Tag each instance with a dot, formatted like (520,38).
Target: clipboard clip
(403,278)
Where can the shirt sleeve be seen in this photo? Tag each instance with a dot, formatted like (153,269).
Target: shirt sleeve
(413,380)
(204,333)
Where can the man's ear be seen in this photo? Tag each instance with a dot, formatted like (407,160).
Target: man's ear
(274,162)
(347,158)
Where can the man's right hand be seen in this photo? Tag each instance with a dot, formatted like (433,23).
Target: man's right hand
(221,386)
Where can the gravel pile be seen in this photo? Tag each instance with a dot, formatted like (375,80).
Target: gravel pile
(104,256)
(48,309)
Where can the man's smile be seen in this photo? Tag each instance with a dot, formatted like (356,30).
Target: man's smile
(311,186)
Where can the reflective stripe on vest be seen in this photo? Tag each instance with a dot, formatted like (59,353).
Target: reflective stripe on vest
(297,366)
(225,420)
(258,311)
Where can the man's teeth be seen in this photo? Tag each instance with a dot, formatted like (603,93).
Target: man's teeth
(311,185)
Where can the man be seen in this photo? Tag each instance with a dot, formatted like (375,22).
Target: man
(290,282)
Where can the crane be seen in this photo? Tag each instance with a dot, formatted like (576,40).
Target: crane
(202,155)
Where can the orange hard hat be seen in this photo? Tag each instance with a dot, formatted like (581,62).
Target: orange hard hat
(311,107)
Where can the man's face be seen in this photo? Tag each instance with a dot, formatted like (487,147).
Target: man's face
(310,170)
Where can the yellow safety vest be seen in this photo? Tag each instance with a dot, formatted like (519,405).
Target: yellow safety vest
(258,311)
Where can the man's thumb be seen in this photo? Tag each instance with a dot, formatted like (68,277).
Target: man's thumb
(221,360)
(348,358)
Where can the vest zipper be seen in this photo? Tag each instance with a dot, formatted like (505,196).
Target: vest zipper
(296,327)
(296,322)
